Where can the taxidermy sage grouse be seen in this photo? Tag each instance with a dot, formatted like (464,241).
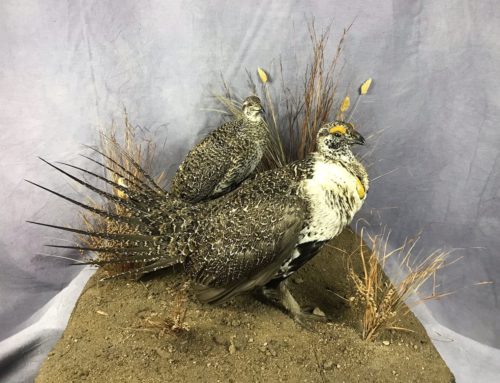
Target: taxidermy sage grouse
(250,239)
(224,158)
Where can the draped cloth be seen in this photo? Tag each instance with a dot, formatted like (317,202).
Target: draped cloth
(69,68)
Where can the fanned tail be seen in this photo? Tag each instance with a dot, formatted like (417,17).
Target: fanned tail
(134,228)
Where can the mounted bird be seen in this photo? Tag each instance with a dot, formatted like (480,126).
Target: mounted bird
(225,157)
(252,239)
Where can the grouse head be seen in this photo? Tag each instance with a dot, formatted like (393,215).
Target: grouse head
(337,135)
(252,108)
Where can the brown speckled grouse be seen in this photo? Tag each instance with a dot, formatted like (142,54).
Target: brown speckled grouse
(224,158)
(253,238)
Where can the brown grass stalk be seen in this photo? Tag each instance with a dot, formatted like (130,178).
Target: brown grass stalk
(305,108)
(380,301)
(176,322)
(320,86)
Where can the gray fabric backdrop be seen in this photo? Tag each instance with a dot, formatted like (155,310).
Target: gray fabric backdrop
(67,68)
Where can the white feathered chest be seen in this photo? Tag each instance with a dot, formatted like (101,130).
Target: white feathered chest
(335,194)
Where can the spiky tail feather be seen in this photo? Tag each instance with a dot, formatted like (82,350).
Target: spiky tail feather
(136,239)
(155,187)
(135,165)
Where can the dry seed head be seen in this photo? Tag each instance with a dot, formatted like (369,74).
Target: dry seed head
(365,86)
(262,75)
(346,103)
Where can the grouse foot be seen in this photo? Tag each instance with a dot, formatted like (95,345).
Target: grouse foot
(281,297)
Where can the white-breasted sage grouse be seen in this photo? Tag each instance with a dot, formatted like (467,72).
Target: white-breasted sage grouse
(252,238)
(224,158)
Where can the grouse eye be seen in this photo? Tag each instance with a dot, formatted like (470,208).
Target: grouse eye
(338,134)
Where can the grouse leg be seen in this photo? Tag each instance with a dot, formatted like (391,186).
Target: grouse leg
(279,295)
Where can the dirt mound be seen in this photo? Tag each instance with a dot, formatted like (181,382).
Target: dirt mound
(111,336)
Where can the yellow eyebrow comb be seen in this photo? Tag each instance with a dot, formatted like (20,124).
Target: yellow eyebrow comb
(338,129)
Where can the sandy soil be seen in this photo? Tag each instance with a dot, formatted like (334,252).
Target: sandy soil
(111,336)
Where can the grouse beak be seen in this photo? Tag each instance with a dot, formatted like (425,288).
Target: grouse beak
(356,138)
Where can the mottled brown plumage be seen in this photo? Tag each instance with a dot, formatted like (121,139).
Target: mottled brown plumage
(257,236)
(224,158)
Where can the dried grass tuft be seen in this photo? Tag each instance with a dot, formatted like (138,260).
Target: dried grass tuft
(120,151)
(382,302)
(176,323)
(304,109)
(320,88)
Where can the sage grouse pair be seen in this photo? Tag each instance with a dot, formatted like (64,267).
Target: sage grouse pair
(250,239)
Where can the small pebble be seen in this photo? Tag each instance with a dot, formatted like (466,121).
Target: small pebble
(232,347)
(318,312)
(386,343)
(271,351)
(328,365)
